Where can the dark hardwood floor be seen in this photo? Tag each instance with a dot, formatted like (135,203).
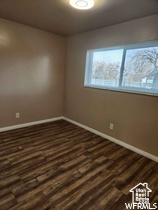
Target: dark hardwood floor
(61,166)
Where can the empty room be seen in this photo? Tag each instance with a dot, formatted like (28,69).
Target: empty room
(78,104)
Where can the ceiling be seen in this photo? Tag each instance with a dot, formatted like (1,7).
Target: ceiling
(59,17)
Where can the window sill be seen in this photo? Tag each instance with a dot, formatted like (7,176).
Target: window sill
(121,90)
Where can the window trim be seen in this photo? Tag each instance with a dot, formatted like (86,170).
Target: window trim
(88,69)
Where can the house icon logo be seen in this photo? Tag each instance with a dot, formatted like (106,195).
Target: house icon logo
(140,193)
(140,197)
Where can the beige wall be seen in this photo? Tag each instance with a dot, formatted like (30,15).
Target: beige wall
(32,81)
(31,74)
(135,116)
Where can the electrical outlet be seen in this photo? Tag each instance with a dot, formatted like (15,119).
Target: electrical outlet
(17,115)
(111,127)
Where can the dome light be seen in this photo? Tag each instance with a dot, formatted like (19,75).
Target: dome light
(82,4)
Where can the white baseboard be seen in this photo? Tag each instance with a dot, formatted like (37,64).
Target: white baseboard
(30,124)
(128,146)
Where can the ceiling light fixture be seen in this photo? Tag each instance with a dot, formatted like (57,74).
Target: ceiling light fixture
(82,4)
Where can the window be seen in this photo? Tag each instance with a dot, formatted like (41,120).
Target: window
(130,68)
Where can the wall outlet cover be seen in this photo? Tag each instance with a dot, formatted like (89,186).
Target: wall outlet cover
(111,126)
(17,115)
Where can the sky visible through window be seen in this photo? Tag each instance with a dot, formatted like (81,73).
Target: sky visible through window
(108,56)
(140,68)
(106,67)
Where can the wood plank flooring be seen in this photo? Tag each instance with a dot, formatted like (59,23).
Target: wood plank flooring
(61,166)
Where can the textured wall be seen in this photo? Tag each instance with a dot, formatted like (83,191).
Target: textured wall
(31,74)
(135,116)
(32,81)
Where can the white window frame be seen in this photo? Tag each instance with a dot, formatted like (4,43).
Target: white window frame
(88,69)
